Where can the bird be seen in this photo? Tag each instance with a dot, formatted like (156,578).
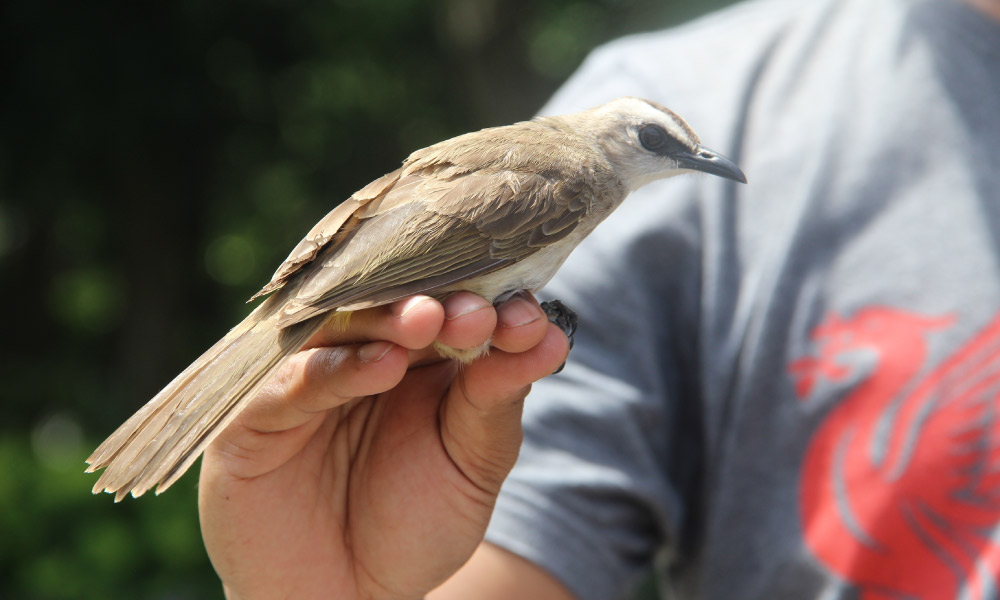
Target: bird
(494,212)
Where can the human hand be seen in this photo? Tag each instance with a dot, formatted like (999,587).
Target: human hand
(368,467)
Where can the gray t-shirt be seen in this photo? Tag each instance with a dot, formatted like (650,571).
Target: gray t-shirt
(789,389)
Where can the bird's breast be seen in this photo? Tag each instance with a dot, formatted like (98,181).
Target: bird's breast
(529,274)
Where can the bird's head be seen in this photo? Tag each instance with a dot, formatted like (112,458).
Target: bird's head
(645,141)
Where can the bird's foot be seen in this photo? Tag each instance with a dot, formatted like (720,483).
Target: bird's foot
(562,317)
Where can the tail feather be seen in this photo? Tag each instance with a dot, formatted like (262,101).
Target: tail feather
(160,442)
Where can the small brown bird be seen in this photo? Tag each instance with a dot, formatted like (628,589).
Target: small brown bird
(492,212)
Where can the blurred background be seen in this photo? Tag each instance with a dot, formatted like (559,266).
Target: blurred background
(157,162)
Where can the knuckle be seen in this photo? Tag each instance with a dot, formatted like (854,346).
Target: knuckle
(307,372)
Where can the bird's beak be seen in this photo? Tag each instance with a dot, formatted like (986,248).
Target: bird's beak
(708,161)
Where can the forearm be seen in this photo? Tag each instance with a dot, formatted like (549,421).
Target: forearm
(496,574)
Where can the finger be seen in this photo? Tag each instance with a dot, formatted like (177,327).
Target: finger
(521,324)
(317,380)
(481,416)
(516,325)
(411,323)
(469,321)
(280,421)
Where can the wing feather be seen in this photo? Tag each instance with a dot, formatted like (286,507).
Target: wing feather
(325,230)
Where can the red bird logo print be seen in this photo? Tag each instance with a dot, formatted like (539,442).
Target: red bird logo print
(900,484)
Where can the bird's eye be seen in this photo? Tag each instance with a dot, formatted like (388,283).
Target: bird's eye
(653,138)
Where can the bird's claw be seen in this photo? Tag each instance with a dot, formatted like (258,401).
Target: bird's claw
(562,317)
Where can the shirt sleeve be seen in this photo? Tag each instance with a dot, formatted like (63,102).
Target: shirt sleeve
(611,445)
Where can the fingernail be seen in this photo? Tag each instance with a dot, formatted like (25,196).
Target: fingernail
(469,309)
(374,351)
(400,309)
(517,312)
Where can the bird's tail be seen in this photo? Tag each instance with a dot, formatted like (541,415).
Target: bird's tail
(160,441)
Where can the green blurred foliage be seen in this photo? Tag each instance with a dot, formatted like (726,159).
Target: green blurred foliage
(60,542)
(157,161)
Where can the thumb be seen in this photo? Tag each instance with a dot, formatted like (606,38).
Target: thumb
(481,413)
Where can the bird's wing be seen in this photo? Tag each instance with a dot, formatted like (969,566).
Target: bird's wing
(325,230)
(433,227)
